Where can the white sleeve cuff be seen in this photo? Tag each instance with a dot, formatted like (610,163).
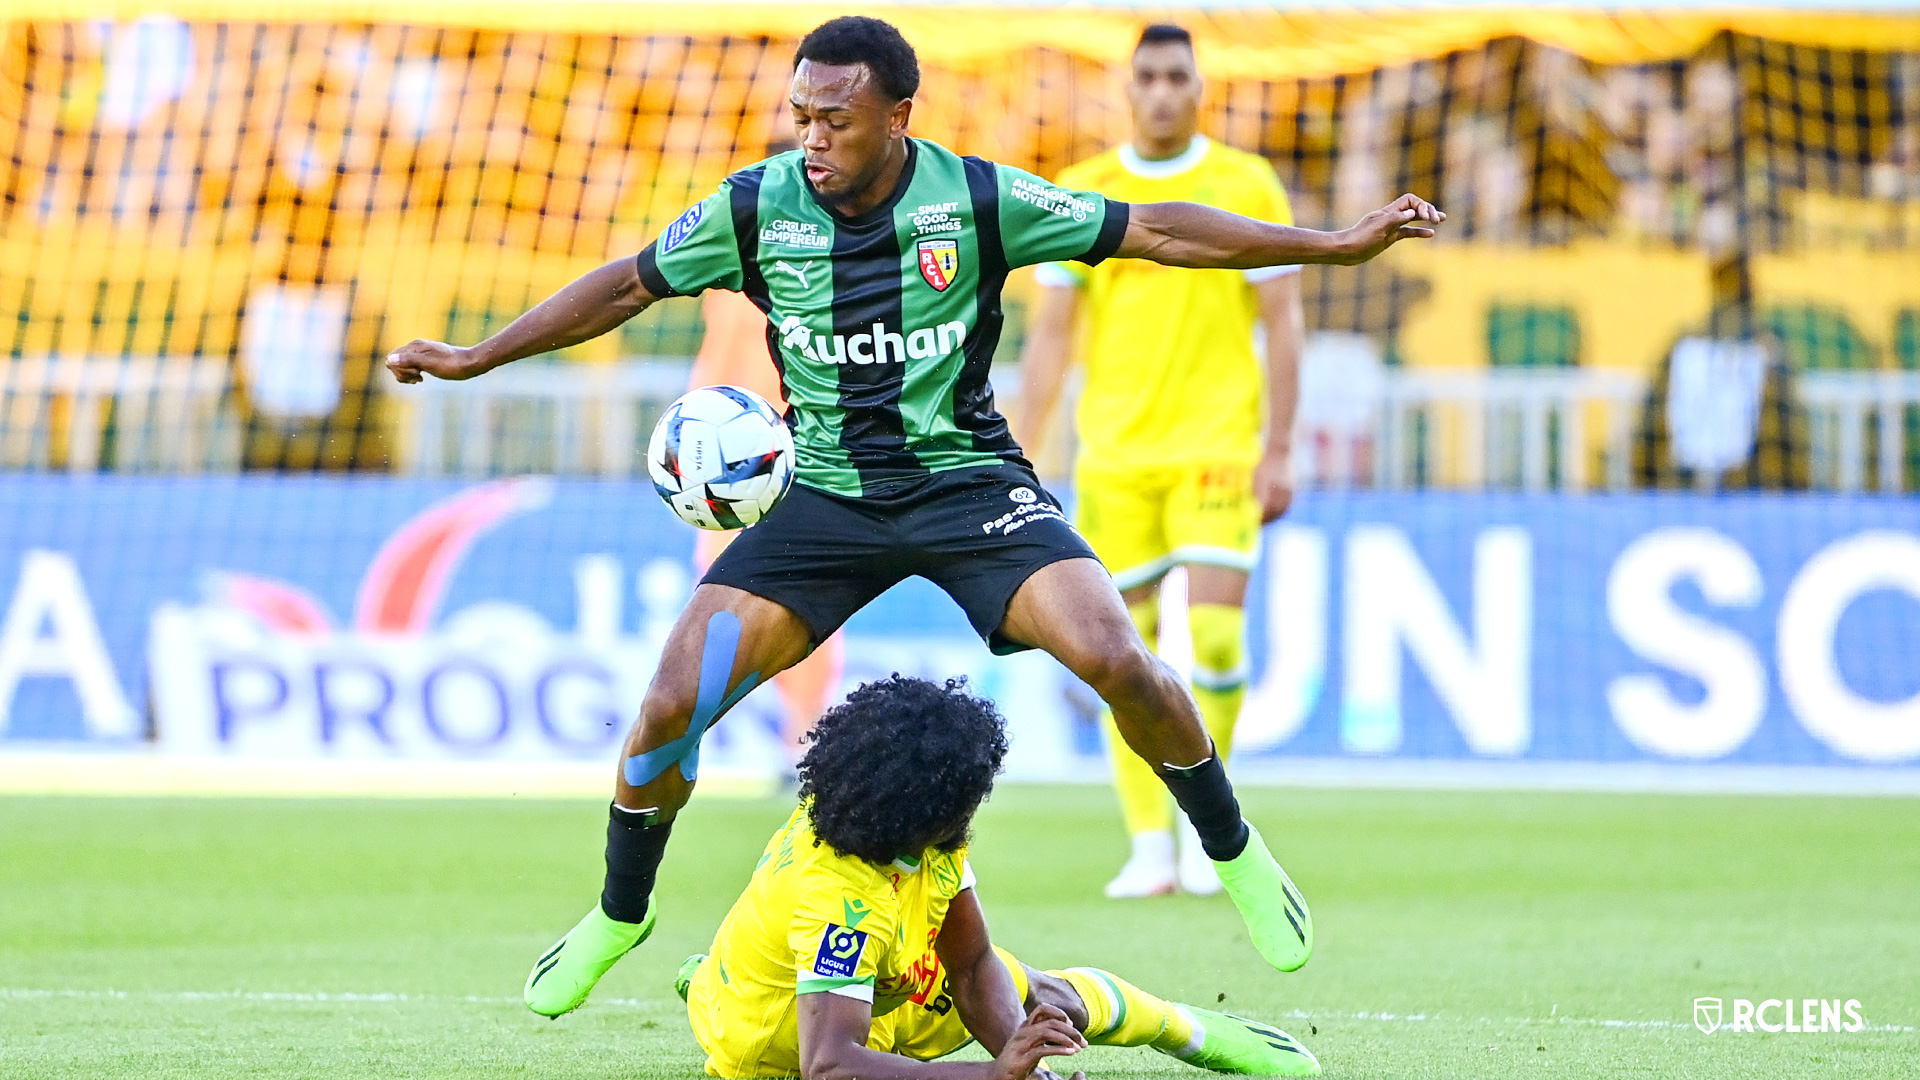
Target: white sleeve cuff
(966,875)
(1055,276)
(1267,273)
(808,981)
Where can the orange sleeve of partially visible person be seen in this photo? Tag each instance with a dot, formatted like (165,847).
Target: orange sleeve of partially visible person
(734,351)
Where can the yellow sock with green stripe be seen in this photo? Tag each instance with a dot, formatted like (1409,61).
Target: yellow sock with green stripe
(1121,1014)
(1219,667)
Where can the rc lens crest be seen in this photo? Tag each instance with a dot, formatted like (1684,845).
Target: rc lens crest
(939,262)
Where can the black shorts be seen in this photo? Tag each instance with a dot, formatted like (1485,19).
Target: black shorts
(978,533)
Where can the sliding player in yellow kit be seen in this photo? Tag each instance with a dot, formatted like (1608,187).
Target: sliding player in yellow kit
(1182,458)
(859,948)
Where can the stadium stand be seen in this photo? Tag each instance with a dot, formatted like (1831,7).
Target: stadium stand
(187,196)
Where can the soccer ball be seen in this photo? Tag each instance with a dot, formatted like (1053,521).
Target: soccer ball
(721,457)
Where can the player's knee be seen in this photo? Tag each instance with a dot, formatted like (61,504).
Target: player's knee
(1045,988)
(667,710)
(1118,666)
(1219,652)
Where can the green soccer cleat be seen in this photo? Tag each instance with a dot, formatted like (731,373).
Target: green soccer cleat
(565,974)
(1233,1044)
(683,979)
(1277,918)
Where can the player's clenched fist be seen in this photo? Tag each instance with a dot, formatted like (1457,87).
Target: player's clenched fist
(1407,217)
(1046,1033)
(436,358)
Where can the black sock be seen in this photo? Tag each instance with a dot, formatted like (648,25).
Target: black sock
(1205,793)
(634,848)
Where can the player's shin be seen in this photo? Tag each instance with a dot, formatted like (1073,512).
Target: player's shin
(1219,667)
(1150,868)
(1143,799)
(1206,795)
(1219,683)
(1121,1014)
(636,842)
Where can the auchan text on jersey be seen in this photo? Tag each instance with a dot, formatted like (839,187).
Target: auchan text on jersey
(880,346)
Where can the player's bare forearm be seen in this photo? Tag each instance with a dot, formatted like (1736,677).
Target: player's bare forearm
(980,985)
(1201,237)
(593,304)
(1043,363)
(833,1046)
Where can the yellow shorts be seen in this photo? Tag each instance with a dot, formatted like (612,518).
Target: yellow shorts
(766,1043)
(1144,522)
(933,1030)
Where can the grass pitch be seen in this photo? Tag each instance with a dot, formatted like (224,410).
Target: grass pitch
(1460,934)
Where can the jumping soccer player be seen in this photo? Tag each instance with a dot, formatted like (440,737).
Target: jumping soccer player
(859,948)
(1173,469)
(879,260)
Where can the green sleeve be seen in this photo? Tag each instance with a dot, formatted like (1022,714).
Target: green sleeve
(696,252)
(1041,222)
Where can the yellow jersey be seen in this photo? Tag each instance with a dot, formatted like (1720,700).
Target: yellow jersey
(1172,377)
(815,921)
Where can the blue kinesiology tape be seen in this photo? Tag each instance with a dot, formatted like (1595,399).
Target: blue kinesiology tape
(716,667)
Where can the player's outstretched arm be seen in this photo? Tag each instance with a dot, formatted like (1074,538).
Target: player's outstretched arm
(833,1046)
(594,304)
(1188,234)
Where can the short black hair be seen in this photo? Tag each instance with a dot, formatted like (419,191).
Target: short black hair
(901,766)
(858,39)
(1162,34)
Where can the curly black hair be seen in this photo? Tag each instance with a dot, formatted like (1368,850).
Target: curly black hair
(901,766)
(858,39)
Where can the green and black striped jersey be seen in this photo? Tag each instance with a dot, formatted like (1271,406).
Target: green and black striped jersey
(883,326)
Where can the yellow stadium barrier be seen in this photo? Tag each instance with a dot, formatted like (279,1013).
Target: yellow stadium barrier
(173,175)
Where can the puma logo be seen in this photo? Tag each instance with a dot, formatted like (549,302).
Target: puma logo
(799,272)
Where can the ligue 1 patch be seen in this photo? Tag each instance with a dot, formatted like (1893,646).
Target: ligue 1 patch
(839,955)
(939,262)
(682,227)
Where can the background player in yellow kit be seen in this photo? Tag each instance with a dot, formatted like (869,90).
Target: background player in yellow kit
(1182,457)
(859,948)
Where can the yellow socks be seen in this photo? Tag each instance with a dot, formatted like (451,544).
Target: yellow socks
(1219,667)
(1121,1014)
(1144,804)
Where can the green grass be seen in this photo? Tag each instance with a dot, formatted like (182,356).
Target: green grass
(1460,934)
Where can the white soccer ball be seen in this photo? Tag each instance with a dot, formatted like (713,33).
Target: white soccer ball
(721,457)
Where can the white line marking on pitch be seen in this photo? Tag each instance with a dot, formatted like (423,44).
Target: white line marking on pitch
(324,997)
(287,996)
(1581,1021)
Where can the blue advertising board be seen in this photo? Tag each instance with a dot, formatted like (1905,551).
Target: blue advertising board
(520,619)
